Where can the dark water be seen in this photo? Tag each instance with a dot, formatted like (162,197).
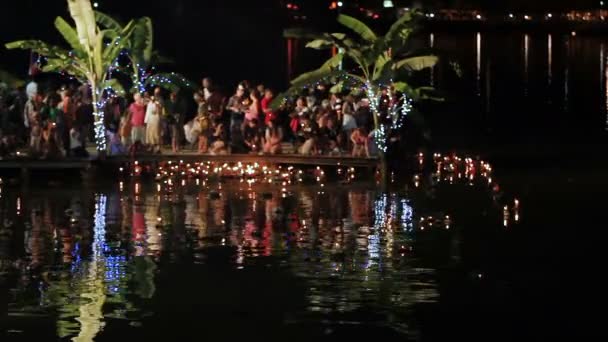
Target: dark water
(230,261)
(516,87)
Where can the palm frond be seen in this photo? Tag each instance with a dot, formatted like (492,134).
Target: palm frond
(358,27)
(107,22)
(84,17)
(170,81)
(320,44)
(142,40)
(69,34)
(114,85)
(383,63)
(39,47)
(400,28)
(417,63)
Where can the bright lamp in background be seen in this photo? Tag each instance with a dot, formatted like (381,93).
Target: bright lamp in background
(388,4)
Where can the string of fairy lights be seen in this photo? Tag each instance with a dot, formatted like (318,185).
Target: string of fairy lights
(396,113)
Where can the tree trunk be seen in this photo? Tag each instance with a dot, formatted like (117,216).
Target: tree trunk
(100,138)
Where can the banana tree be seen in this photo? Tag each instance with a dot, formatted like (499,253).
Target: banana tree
(142,56)
(380,66)
(89,57)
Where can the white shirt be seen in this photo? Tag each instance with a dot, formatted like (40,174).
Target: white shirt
(348,122)
(152,113)
(74,139)
(207,94)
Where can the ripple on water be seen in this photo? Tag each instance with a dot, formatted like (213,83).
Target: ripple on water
(357,255)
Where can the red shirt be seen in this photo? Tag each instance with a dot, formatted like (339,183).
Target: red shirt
(138,114)
(270,115)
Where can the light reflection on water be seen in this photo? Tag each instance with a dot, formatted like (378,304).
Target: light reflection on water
(94,259)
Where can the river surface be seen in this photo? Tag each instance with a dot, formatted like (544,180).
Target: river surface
(233,259)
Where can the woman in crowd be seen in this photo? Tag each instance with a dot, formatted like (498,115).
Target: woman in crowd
(217,140)
(300,110)
(273,138)
(359,140)
(203,125)
(50,148)
(308,133)
(152,121)
(31,117)
(255,108)
(124,129)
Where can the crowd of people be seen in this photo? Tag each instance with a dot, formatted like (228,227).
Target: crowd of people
(59,123)
(54,124)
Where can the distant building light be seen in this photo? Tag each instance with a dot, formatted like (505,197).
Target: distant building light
(478,16)
(550,15)
(527,17)
(289,6)
(432,15)
(388,4)
(376,16)
(333,5)
(340,4)
(573,33)
(95,4)
(511,15)
(407,8)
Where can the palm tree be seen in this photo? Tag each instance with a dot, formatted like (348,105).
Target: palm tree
(380,63)
(142,56)
(91,54)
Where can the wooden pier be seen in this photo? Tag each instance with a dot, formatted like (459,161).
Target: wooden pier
(27,165)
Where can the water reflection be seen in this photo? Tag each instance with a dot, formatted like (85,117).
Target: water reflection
(478,63)
(604,75)
(549,60)
(567,76)
(90,260)
(526,62)
(432,46)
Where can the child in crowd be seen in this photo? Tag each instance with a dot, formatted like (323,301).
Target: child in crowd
(76,148)
(252,136)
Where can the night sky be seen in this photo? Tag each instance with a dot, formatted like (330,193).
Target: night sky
(228,40)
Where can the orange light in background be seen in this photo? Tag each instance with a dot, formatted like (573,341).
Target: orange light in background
(333,5)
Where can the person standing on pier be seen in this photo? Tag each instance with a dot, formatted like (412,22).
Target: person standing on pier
(34,123)
(152,121)
(175,118)
(138,114)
